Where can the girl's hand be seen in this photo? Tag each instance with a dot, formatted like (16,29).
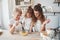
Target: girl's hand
(17,22)
(30,32)
(47,21)
(12,29)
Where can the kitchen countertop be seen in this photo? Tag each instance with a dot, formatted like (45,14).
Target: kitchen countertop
(33,36)
(8,36)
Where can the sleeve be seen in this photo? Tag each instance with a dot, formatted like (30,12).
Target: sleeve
(23,20)
(11,22)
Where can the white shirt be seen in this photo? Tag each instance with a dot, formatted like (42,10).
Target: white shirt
(37,26)
(27,22)
(13,22)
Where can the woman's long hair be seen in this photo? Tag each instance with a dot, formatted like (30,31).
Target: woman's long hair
(39,9)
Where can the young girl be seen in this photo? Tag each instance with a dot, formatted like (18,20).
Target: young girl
(28,18)
(15,21)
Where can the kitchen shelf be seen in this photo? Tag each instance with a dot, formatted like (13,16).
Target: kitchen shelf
(58,3)
(52,12)
(24,4)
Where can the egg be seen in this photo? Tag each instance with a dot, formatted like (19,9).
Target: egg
(24,33)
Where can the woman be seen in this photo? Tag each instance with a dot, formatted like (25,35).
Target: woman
(39,21)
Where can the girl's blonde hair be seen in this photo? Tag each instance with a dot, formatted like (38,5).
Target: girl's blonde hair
(18,9)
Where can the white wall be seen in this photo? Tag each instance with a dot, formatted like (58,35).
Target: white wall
(0,11)
(6,9)
(5,13)
(11,6)
(1,21)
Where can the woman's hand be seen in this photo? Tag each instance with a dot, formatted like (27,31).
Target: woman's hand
(43,25)
(47,21)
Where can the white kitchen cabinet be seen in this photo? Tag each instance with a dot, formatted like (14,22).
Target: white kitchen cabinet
(58,14)
(53,23)
(59,21)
